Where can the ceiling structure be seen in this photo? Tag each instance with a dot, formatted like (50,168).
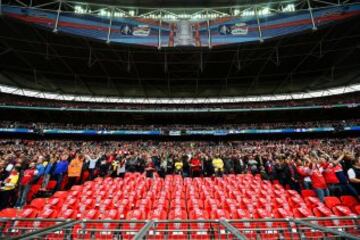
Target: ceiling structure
(34,58)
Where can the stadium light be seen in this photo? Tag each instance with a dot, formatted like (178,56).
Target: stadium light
(261,98)
(132,13)
(248,13)
(264,11)
(236,12)
(289,8)
(80,10)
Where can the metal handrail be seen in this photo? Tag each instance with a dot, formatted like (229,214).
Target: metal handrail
(293,226)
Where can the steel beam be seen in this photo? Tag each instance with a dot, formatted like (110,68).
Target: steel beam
(237,234)
(326,230)
(159,37)
(110,25)
(144,230)
(208,28)
(311,15)
(57,16)
(258,24)
(41,232)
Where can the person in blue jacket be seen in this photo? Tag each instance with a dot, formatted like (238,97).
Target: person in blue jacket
(39,170)
(60,170)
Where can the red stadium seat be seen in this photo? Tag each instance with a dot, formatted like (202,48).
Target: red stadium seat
(33,191)
(178,229)
(37,203)
(357,209)
(302,212)
(342,211)
(331,202)
(68,214)
(349,201)
(51,185)
(20,225)
(308,193)
(46,213)
(81,231)
(9,213)
(61,194)
(105,230)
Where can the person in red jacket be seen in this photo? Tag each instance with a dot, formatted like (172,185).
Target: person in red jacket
(25,184)
(318,180)
(331,179)
(195,164)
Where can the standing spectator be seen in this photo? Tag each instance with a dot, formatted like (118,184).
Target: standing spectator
(104,166)
(179,166)
(263,173)
(39,169)
(280,173)
(92,164)
(131,163)
(331,179)
(293,176)
(208,166)
(228,165)
(60,170)
(186,166)
(195,166)
(47,172)
(354,175)
(121,169)
(25,185)
(8,188)
(304,173)
(149,168)
(218,165)
(3,173)
(318,181)
(238,164)
(74,170)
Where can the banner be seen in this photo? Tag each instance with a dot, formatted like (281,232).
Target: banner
(176,33)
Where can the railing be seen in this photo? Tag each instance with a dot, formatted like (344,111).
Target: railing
(306,228)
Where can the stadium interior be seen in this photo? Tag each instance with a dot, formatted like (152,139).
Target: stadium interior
(174,119)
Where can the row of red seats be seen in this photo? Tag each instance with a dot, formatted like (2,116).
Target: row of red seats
(231,197)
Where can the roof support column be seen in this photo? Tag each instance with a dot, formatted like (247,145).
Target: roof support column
(258,23)
(160,23)
(110,25)
(57,17)
(208,28)
(311,15)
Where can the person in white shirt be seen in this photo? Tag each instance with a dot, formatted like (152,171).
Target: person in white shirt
(354,175)
(92,163)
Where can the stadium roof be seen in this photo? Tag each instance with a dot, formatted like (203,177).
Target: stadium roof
(32,58)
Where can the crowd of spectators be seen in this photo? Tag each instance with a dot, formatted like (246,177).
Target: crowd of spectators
(350,98)
(180,127)
(329,166)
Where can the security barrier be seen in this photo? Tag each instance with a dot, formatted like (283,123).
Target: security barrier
(304,228)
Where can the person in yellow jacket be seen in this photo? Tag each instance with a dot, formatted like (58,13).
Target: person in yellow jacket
(74,170)
(218,165)
(178,166)
(8,186)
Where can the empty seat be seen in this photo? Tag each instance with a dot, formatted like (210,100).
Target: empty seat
(349,201)
(331,202)
(308,193)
